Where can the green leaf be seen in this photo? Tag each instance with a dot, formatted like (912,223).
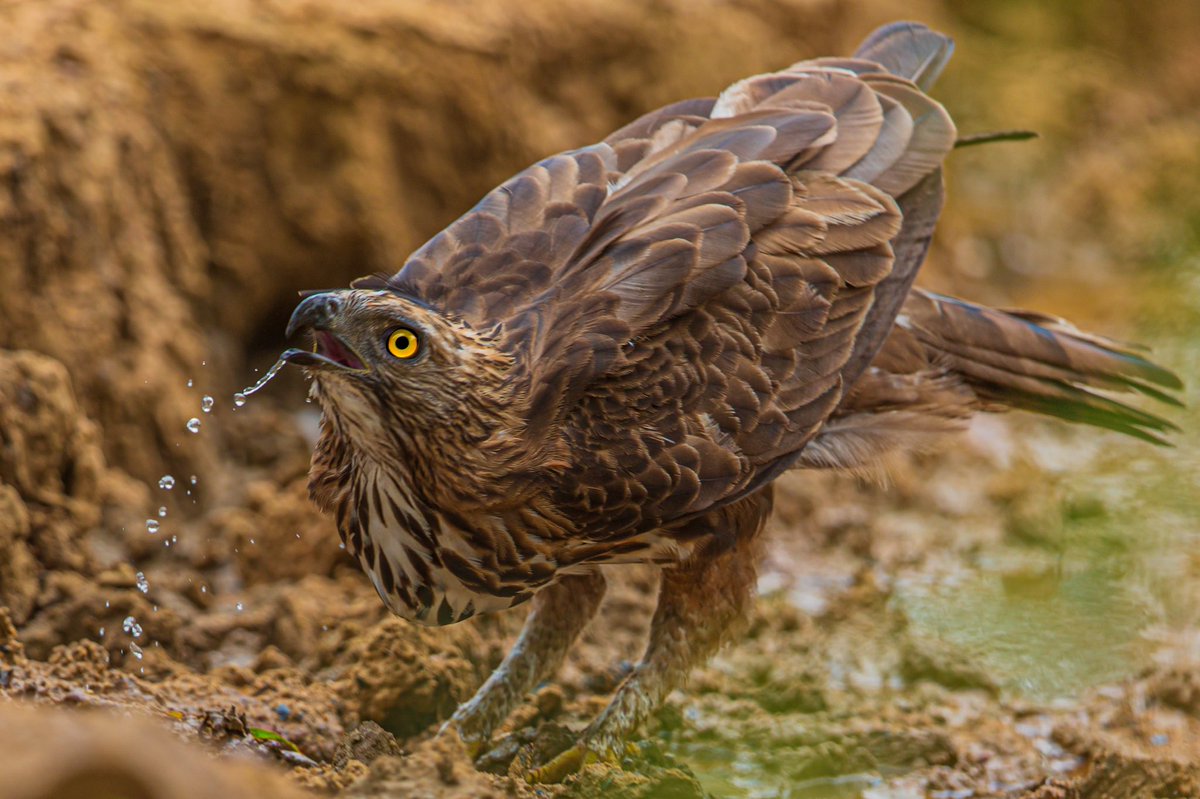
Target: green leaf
(270,735)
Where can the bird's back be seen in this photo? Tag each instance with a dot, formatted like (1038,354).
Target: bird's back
(686,301)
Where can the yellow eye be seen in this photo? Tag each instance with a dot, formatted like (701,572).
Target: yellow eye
(403,343)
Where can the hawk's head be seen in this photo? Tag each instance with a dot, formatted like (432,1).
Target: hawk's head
(385,364)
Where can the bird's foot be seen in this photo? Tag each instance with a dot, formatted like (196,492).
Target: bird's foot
(475,744)
(583,753)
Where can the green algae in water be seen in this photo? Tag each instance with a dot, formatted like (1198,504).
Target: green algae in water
(1036,634)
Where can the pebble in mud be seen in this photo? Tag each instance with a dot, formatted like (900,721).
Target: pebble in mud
(367,742)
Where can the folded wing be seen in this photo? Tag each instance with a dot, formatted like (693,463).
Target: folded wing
(687,301)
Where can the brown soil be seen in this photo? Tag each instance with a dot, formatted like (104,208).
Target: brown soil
(1016,616)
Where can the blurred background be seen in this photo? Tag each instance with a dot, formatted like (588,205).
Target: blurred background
(1018,615)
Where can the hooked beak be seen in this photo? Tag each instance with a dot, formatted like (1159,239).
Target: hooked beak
(317,314)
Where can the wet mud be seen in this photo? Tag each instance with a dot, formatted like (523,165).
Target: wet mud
(1014,615)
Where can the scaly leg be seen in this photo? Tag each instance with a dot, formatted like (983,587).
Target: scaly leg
(559,613)
(699,604)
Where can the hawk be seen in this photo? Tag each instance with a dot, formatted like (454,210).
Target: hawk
(613,355)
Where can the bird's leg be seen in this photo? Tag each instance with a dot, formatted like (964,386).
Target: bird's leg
(559,613)
(700,602)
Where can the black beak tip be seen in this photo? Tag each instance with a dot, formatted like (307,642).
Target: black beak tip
(314,312)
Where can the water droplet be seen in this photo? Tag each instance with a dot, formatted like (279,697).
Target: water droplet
(193,425)
(189,382)
(262,381)
(193,480)
(152,526)
(162,511)
(240,607)
(142,583)
(101,632)
(251,542)
(136,650)
(206,404)
(131,627)
(239,399)
(166,482)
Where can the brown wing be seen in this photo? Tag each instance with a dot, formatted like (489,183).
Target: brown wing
(708,406)
(686,301)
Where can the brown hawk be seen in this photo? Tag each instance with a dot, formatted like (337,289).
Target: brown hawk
(611,357)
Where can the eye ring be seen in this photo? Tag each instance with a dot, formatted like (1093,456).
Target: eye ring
(403,343)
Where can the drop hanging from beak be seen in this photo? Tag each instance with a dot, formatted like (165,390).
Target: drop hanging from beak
(239,399)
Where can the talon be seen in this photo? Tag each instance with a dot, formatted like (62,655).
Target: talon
(474,746)
(563,766)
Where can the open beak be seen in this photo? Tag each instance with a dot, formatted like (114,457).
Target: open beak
(317,313)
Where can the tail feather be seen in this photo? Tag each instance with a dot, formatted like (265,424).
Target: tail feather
(910,50)
(1019,359)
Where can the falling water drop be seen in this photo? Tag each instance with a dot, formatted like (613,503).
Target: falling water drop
(142,583)
(131,627)
(206,403)
(240,607)
(193,425)
(152,526)
(166,482)
(162,511)
(193,480)
(239,399)
(136,650)
(189,382)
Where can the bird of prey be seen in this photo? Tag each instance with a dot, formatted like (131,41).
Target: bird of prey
(614,354)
